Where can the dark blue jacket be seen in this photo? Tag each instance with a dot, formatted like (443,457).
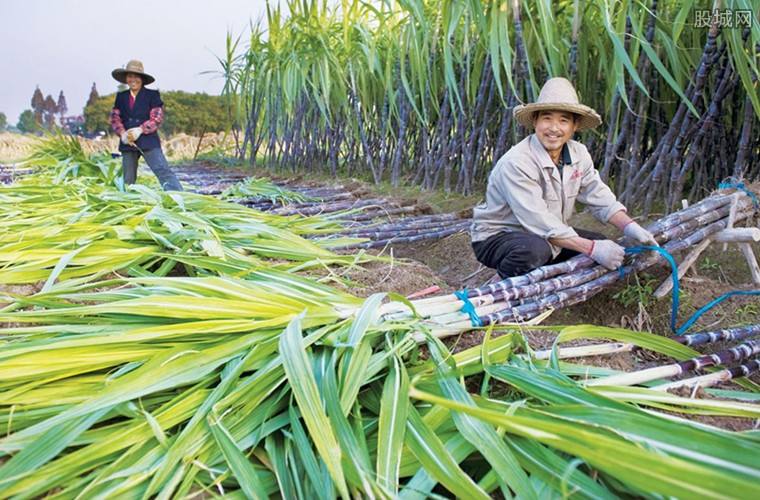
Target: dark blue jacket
(145,100)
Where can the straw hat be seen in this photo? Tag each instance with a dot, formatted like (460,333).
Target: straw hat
(557,94)
(133,66)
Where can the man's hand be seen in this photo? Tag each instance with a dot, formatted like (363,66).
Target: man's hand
(133,134)
(607,253)
(637,233)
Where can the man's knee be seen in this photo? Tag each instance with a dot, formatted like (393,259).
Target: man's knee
(524,256)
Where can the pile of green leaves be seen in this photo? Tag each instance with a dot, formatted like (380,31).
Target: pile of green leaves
(264,189)
(61,226)
(172,387)
(62,156)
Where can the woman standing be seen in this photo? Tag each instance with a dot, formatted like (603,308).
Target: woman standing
(137,113)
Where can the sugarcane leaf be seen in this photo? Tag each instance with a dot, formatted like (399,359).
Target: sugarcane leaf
(483,437)
(297,369)
(436,460)
(59,267)
(392,425)
(46,447)
(661,69)
(640,468)
(314,469)
(244,471)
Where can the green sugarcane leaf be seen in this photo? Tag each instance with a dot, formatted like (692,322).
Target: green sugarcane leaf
(483,437)
(437,461)
(314,469)
(392,425)
(46,447)
(244,471)
(298,371)
(661,69)
(645,470)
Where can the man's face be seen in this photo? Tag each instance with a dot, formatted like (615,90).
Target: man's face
(554,128)
(134,82)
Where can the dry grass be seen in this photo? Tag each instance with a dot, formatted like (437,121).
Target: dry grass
(15,147)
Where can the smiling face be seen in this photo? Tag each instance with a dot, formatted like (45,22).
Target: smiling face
(554,129)
(134,82)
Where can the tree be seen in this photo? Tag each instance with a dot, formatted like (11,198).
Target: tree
(50,108)
(3,121)
(185,112)
(27,122)
(62,107)
(93,95)
(38,105)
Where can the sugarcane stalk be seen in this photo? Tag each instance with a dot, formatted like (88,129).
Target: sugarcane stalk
(734,354)
(413,221)
(711,379)
(727,335)
(398,310)
(585,350)
(331,207)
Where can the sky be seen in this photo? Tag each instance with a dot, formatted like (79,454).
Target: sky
(69,44)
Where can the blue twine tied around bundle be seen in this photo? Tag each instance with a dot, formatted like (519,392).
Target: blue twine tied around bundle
(733,183)
(676,291)
(468,307)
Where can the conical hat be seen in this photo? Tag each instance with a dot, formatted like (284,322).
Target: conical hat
(557,94)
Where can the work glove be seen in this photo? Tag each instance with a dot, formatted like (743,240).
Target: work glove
(607,253)
(637,233)
(124,138)
(134,133)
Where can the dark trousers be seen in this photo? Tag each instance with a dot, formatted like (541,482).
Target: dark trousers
(516,253)
(156,161)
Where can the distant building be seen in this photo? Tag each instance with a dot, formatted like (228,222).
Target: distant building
(73,124)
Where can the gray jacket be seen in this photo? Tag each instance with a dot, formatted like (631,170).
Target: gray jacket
(525,193)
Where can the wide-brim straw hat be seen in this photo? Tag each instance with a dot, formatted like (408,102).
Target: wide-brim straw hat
(557,94)
(133,66)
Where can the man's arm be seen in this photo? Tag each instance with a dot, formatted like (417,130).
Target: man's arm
(619,219)
(577,243)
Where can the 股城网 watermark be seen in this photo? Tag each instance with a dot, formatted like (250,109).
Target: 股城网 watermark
(723,18)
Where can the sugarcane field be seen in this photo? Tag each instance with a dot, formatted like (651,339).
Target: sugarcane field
(318,249)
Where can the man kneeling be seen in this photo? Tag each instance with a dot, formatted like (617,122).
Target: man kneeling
(532,190)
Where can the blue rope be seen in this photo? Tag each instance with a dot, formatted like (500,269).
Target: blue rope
(468,307)
(675,293)
(733,183)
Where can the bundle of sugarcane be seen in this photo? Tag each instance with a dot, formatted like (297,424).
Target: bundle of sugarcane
(382,239)
(720,358)
(9,173)
(223,385)
(334,206)
(576,280)
(407,226)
